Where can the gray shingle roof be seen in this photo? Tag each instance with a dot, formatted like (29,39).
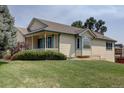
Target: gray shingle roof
(24,31)
(62,28)
(57,27)
(100,36)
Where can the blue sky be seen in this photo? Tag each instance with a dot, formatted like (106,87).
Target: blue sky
(112,15)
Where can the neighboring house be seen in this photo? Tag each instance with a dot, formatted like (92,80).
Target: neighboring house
(119,50)
(71,41)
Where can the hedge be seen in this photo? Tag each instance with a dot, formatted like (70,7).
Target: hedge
(38,55)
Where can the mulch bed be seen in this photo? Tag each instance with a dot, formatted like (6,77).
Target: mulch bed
(83,56)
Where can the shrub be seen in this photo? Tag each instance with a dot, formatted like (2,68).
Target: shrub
(38,55)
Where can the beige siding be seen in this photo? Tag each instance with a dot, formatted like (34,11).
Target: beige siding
(36,25)
(20,37)
(86,52)
(67,45)
(28,41)
(99,49)
(78,52)
(35,40)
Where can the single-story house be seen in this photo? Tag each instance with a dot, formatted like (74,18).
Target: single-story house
(71,41)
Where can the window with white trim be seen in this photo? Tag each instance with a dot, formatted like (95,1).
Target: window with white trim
(86,42)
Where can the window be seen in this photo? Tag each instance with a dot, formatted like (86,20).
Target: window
(87,43)
(41,43)
(78,43)
(50,41)
(108,45)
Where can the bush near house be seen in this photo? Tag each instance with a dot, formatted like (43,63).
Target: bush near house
(38,55)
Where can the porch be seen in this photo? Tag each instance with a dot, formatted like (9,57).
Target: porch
(43,41)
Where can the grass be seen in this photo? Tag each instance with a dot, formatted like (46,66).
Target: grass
(61,74)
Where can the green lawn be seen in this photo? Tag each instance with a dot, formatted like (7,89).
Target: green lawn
(61,74)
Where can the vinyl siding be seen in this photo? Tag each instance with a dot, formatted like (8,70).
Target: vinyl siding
(20,37)
(67,45)
(36,25)
(99,49)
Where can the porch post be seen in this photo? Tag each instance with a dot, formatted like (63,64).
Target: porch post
(59,42)
(82,46)
(32,41)
(45,40)
(54,42)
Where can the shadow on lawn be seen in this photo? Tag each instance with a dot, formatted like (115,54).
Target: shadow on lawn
(2,63)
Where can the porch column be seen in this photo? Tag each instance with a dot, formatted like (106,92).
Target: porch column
(54,42)
(32,41)
(45,40)
(82,45)
(59,42)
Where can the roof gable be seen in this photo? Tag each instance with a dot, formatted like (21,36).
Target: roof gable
(58,27)
(36,25)
(88,33)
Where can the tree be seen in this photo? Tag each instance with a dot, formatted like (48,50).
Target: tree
(7,30)
(78,24)
(90,22)
(103,29)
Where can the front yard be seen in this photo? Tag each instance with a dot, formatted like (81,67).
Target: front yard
(61,74)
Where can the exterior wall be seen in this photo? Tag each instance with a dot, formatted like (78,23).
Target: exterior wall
(35,42)
(28,41)
(20,37)
(78,52)
(87,52)
(67,45)
(99,49)
(36,25)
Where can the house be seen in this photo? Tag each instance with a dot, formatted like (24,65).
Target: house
(71,41)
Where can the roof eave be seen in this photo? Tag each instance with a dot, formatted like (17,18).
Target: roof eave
(106,39)
(42,30)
